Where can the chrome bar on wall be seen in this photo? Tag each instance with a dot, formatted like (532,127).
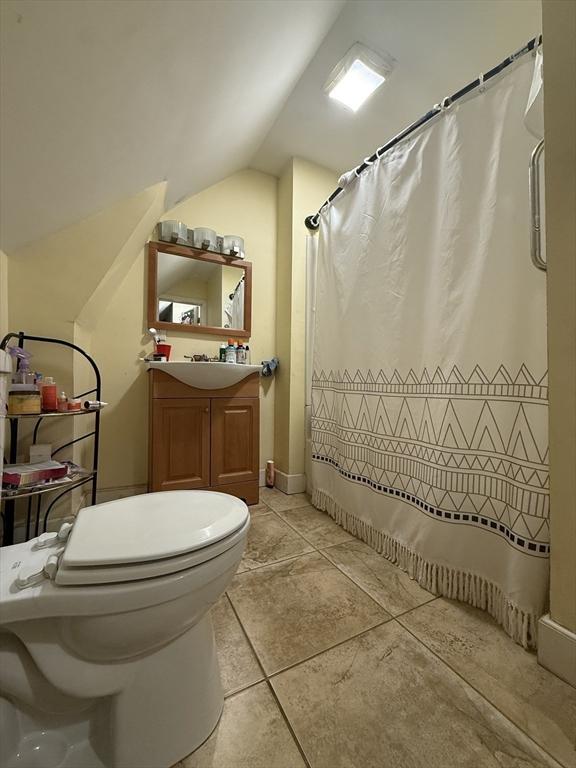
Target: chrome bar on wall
(535,220)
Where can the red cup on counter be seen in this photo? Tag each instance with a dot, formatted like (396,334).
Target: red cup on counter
(164,349)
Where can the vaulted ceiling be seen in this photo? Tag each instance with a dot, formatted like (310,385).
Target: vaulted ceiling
(103,98)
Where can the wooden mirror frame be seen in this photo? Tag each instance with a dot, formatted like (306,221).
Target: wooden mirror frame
(199,255)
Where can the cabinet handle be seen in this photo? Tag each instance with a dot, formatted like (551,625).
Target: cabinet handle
(206,410)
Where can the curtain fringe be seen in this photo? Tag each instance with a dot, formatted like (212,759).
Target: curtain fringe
(441,580)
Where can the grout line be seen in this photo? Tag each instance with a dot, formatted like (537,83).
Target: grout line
(247,636)
(273,562)
(247,687)
(479,692)
(329,648)
(317,547)
(394,616)
(288,724)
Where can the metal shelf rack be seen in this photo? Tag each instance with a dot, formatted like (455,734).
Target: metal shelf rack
(74,480)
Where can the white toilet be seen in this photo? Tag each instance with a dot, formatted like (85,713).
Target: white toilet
(107,656)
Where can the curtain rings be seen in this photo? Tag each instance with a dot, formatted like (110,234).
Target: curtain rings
(445,104)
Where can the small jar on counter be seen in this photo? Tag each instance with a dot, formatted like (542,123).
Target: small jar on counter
(62,402)
(22,399)
(74,404)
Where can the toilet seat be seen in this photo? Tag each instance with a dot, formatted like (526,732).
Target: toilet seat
(138,538)
(109,574)
(150,535)
(152,526)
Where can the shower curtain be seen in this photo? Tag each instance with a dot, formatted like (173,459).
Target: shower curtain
(429,390)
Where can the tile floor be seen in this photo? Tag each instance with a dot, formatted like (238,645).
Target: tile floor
(331,657)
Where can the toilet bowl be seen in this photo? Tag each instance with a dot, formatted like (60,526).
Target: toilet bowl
(107,656)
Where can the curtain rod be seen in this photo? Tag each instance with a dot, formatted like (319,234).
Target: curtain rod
(313,222)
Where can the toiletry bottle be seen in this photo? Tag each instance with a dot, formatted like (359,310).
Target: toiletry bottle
(230,352)
(49,394)
(247,355)
(222,353)
(270,474)
(241,354)
(62,402)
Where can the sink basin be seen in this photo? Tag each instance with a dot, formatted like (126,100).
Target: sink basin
(206,375)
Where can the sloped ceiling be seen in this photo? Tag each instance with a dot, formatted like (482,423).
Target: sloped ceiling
(103,98)
(439,46)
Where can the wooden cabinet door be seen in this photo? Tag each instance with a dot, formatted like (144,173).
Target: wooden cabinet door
(235,440)
(180,457)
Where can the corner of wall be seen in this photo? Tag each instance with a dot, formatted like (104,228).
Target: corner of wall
(3,294)
(303,187)
(559,22)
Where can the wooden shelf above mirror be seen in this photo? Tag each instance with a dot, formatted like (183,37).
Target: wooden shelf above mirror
(197,291)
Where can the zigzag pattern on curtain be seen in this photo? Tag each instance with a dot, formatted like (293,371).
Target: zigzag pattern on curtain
(462,449)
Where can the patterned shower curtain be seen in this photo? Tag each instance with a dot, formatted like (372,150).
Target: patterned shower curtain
(429,393)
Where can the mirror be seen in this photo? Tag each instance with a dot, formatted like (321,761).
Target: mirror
(198,291)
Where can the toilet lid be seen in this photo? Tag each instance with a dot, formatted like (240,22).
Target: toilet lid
(151,527)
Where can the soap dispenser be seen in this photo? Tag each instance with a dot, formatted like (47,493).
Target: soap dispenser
(230,352)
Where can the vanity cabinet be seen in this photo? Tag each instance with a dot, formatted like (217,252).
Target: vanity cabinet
(204,439)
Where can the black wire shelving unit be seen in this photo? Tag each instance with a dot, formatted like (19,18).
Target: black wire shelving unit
(78,476)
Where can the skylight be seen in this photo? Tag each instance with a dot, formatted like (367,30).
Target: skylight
(356,86)
(357,76)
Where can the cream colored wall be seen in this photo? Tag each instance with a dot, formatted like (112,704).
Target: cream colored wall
(303,188)
(312,185)
(559,34)
(243,204)
(214,296)
(283,319)
(3,294)
(60,287)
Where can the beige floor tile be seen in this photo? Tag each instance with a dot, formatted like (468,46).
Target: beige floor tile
(259,509)
(385,582)
(270,540)
(279,501)
(507,675)
(300,607)
(316,526)
(383,700)
(238,664)
(251,734)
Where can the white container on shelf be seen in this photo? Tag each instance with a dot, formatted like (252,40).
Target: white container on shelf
(206,239)
(173,231)
(233,245)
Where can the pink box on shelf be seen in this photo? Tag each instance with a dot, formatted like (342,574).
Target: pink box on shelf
(19,475)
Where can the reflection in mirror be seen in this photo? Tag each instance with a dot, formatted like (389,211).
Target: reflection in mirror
(195,292)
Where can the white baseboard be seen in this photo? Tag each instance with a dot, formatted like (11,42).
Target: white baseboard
(557,649)
(290,483)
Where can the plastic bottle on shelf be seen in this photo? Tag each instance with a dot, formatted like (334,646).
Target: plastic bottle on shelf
(247,354)
(49,393)
(62,402)
(241,354)
(230,352)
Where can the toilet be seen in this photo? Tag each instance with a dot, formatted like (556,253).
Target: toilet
(107,655)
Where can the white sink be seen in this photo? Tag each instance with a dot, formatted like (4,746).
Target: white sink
(206,375)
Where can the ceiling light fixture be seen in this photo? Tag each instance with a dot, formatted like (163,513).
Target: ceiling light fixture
(358,75)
